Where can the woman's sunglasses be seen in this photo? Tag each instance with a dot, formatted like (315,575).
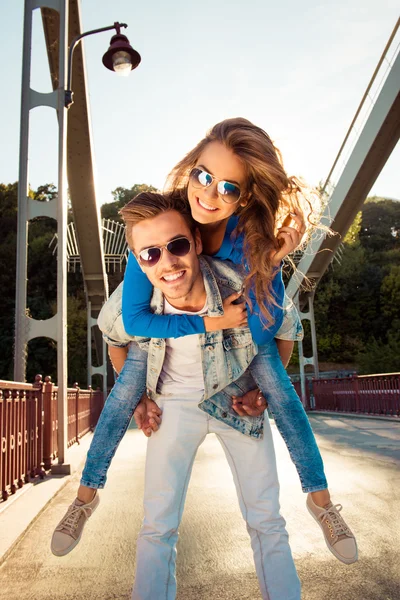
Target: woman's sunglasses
(227,191)
(150,256)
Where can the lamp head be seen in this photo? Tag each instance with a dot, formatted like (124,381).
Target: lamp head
(121,57)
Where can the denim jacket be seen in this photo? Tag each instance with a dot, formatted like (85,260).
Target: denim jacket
(226,354)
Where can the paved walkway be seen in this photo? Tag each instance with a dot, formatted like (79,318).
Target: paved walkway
(362,459)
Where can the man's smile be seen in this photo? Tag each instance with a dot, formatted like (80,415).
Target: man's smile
(172,277)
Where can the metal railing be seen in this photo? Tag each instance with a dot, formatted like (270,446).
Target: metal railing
(28,427)
(364,394)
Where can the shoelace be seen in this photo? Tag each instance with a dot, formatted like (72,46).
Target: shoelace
(70,522)
(339,526)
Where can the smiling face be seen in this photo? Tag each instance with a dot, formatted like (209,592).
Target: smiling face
(178,277)
(205,203)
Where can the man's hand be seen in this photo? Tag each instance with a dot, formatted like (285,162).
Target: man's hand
(253,404)
(235,315)
(147,415)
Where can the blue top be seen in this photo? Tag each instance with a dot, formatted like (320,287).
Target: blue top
(139,320)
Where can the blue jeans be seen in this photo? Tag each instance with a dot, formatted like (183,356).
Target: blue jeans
(290,417)
(271,377)
(115,417)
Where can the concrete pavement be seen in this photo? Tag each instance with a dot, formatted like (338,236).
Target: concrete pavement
(362,460)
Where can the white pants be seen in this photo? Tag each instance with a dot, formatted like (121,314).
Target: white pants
(170,455)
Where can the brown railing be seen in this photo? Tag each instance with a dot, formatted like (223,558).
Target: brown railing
(364,394)
(28,427)
(297,387)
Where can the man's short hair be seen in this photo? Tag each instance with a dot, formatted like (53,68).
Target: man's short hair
(148,205)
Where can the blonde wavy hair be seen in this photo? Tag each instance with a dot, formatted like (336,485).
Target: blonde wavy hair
(271,195)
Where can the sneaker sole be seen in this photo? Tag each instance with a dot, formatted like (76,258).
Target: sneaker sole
(346,561)
(76,542)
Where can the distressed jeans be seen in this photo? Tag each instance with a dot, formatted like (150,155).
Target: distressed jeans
(170,455)
(290,417)
(115,417)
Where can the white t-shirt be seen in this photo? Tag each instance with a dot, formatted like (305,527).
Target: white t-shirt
(182,371)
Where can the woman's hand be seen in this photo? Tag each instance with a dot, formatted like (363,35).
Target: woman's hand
(235,315)
(252,403)
(289,237)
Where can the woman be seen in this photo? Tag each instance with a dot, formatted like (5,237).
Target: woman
(239,194)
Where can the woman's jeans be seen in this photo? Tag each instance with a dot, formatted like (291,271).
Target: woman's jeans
(290,417)
(271,377)
(115,417)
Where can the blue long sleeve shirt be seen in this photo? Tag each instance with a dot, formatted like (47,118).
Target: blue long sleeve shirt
(139,320)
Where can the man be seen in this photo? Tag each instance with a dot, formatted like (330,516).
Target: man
(183,376)
(193,372)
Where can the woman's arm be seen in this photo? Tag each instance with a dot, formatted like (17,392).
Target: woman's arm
(261,334)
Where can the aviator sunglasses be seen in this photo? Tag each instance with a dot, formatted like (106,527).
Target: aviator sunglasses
(227,191)
(178,247)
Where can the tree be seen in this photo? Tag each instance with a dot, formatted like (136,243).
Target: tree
(121,197)
(390,294)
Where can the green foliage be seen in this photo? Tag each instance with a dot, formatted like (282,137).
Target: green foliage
(358,301)
(121,197)
(380,227)
(390,294)
(381,356)
(352,236)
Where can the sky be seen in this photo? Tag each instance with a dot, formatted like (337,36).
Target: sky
(297,69)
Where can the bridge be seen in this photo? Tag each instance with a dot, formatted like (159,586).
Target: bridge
(40,422)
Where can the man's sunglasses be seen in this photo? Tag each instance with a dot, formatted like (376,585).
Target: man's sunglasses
(227,191)
(150,256)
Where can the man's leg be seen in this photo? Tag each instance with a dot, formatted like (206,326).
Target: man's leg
(170,455)
(253,466)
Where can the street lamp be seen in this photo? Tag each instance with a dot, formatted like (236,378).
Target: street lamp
(120,57)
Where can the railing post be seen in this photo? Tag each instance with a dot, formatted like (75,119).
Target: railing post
(48,451)
(357,393)
(91,407)
(38,385)
(76,386)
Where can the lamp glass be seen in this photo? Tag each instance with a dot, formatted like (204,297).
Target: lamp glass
(122,63)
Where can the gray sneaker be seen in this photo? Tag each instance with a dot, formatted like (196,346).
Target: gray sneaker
(338,537)
(69,530)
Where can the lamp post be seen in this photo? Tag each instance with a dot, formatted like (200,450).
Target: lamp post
(119,57)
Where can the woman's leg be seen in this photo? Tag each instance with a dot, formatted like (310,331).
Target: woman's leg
(110,429)
(291,420)
(290,417)
(115,417)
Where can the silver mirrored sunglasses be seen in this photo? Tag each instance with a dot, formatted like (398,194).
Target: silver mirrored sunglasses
(227,191)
